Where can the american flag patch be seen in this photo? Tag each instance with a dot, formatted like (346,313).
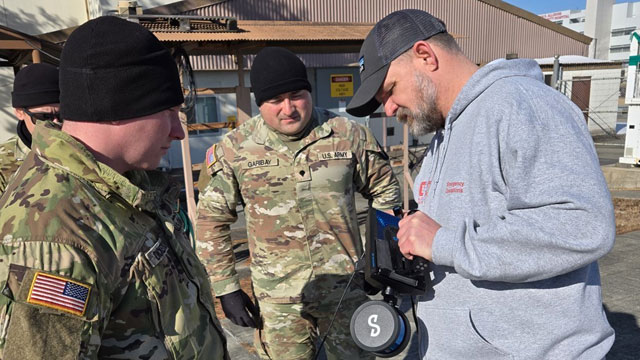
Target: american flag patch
(59,293)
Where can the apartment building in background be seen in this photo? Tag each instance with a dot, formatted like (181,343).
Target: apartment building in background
(609,24)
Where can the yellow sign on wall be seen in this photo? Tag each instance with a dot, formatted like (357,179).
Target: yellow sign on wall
(341,85)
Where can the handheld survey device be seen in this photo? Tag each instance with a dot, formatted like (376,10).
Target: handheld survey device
(379,326)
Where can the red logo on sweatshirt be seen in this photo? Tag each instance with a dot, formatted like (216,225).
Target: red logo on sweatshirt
(423,191)
(454,187)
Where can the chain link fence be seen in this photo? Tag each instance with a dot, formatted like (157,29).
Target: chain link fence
(601,100)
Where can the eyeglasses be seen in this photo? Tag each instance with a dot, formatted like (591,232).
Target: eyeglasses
(44,116)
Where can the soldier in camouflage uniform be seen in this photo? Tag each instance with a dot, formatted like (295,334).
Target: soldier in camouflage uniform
(35,96)
(95,262)
(295,170)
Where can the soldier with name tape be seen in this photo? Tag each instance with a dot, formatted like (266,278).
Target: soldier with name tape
(295,169)
(95,261)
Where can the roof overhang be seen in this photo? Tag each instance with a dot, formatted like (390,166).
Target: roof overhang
(538,20)
(298,36)
(302,37)
(16,48)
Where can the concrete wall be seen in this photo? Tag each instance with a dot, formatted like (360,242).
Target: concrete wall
(36,17)
(7,119)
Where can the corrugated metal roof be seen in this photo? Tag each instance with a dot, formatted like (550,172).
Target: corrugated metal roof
(260,30)
(491,29)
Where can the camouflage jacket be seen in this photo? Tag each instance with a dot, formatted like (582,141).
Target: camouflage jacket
(12,154)
(299,207)
(94,264)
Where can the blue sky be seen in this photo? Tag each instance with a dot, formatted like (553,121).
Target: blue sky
(546,6)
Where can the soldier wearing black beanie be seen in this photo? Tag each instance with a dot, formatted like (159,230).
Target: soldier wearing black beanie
(275,71)
(100,238)
(113,69)
(295,170)
(35,96)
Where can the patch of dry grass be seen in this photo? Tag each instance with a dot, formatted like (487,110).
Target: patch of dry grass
(627,215)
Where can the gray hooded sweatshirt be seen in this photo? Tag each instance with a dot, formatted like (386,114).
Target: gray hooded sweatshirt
(514,180)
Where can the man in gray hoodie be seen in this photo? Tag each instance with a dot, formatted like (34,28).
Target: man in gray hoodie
(514,210)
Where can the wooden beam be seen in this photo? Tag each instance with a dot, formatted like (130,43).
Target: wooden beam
(210,126)
(35,56)
(188,175)
(213,91)
(15,45)
(243,96)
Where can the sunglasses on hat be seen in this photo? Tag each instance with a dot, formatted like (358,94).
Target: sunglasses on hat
(42,116)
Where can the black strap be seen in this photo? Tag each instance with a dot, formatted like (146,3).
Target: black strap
(24,134)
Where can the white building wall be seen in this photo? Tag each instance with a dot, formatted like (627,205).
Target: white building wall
(625,16)
(7,118)
(36,17)
(603,97)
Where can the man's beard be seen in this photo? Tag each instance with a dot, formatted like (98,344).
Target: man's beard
(426,118)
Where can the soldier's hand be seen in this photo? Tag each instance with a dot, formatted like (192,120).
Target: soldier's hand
(240,309)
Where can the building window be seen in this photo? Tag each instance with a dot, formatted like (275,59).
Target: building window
(390,131)
(622,32)
(620,49)
(206,112)
(576,20)
(559,22)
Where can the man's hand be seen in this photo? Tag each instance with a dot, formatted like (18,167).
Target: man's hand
(235,306)
(416,234)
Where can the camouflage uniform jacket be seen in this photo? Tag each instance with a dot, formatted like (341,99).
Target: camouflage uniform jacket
(12,154)
(94,264)
(299,207)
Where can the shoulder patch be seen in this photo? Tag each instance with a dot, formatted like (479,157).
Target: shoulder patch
(212,156)
(59,293)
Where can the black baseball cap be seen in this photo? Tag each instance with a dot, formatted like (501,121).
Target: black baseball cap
(389,38)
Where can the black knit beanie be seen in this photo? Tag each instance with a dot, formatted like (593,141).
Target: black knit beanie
(114,69)
(34,85)
(275,71)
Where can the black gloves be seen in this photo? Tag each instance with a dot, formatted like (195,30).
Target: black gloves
(235,306)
